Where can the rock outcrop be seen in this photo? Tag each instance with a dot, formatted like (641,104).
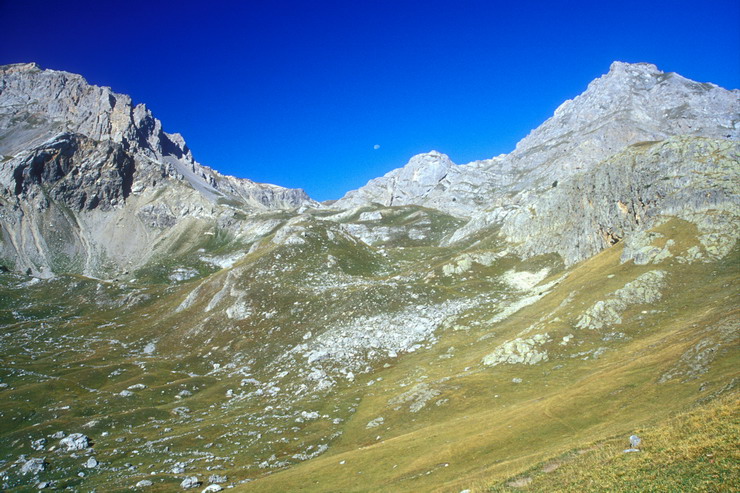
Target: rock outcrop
(627,193)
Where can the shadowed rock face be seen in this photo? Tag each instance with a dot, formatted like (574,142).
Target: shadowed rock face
(80,173)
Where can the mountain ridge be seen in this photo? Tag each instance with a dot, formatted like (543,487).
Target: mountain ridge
(53,124)
(711,112)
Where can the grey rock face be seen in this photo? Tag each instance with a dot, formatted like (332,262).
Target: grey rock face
(433,180)
(403,185)
(69,147)
(627,193)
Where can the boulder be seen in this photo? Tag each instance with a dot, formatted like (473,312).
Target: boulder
(75,441)
(33,466)
(189,483)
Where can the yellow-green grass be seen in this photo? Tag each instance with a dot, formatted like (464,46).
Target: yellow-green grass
(692,451)
(478,438)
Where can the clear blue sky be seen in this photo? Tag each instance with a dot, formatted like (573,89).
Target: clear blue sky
(298,93)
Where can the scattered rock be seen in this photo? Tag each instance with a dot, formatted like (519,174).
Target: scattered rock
(697,359)
(38,444)
(311,415)
(371,216)
(519,351)
(91,463)
(375,423)
(182,274)
(606,313)
(216,479)
(212,488)
(143,483)
(417,397)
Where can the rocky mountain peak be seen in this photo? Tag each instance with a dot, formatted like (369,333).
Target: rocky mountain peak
(69,147)
(401,186)
(618,67)
(632,103)
(432,161)
(37,106)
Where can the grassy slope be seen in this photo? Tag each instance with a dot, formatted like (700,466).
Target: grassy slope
(692,451)
(485,430)
(493,429)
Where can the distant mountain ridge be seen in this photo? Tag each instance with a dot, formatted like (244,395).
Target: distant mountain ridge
(86,157)
(631,103)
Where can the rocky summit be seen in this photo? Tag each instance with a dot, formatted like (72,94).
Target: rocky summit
(89,182)
(510,323)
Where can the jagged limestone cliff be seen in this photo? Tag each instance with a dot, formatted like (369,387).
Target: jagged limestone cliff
(88,181)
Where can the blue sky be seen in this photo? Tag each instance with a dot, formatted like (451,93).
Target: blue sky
(298,93)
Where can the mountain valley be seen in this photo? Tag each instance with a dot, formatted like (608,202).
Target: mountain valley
(479,327)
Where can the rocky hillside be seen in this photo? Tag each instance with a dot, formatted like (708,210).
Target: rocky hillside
(633,104)
(446,328)
(80,162)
